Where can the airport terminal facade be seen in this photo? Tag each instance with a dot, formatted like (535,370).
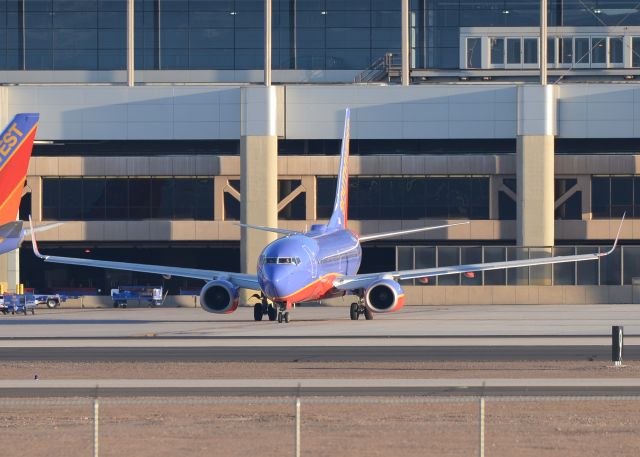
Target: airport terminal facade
(160,131)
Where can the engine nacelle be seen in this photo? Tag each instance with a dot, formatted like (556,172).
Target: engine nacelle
(384,296)
(219,296)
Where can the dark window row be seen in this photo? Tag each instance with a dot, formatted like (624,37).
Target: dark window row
(611,196)
(618,268)
(68,199)
(332,147)
(408,197)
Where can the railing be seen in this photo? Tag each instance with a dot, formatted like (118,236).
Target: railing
(377,71)
(355,426)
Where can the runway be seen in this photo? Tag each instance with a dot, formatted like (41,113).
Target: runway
(493,333)
(319,387)
(293,353)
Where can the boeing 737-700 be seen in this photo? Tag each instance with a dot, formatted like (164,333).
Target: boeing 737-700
(16,143)
(320,263)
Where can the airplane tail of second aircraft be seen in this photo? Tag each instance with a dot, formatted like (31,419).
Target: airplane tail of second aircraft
(340,208)
(16,143)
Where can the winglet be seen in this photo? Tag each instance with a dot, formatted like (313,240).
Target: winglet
(615,243)
(34,243)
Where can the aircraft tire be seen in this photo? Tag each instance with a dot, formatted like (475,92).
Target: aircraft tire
(272,312)
(280,317)
(368,315)
(286,317)
(353,312)
(51,304)
(257,312)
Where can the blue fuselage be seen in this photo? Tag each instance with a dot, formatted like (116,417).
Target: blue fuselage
(302,267)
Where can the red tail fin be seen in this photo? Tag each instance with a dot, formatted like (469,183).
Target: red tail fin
(16,143)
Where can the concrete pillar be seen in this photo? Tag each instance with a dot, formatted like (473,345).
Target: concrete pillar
(258,171)
(131,75)
(535,165)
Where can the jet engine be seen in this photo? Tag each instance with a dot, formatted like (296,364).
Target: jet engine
(219,296)
(384,296)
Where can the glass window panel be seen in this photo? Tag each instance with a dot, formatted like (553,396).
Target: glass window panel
(507,207)
(448,256)
(600,197)
(231,208)
(117,198)
(530,50)
(615,50)
(631,264)
(551,50)
(162,198)
(93,199)
(610,268)
(204,199)
(459,198)
(473,53)
(71,199)
(517,276)
(404,261)
(437,198)
(471,255)
(75,60)
(480,198)
(636,197)
(621,196)
(425,257)
(635,56)
(140,198)
(325,189)
(540,275)
(599,50)
(184,198)
(564,274)
(513,51)
(414,198)
(495,277)
(587,271)
(497,50)
(582,50)
(571,209)
(50,198)
(566,50)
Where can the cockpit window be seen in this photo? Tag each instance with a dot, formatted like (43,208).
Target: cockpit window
(282,260)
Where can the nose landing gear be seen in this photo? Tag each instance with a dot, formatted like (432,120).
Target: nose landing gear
(283,314)
(359,308)
(263,308)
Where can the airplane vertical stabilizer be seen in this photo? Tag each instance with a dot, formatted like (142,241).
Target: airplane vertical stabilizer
(340,208)
(16,143)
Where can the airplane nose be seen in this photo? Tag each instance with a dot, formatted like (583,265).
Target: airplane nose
(279,279)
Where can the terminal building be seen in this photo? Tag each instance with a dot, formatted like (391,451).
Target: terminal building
(160,130)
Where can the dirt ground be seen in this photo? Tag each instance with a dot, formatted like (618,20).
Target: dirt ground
(371,370)
(151,427)
(527,429)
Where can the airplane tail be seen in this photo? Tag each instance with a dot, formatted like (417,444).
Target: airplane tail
(16,143)
(340,208)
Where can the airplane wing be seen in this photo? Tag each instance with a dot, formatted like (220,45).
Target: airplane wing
(270,229)
(241,280)
(356,282)
(377,236)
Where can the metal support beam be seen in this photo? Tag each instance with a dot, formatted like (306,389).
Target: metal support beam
(543,42)
(405,42)
(267,43)
(131,81)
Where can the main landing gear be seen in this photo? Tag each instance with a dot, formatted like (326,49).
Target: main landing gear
(264,308)
(358,309)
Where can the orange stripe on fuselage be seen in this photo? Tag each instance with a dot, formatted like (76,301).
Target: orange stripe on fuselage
(12,175)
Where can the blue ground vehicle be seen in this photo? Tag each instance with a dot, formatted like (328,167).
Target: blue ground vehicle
(151,295)
(18,303)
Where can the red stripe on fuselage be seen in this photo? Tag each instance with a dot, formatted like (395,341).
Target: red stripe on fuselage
(312,291)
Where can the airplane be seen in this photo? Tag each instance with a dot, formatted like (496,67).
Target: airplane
(16,144)
(313,265)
